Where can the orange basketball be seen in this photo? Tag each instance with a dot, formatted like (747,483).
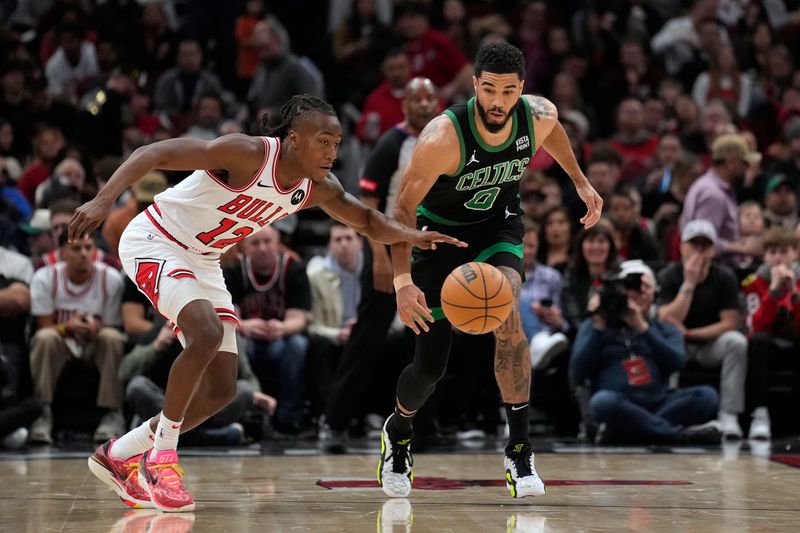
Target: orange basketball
(476,298)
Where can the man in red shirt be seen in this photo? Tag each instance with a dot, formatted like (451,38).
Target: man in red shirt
(432,54)
(383,107)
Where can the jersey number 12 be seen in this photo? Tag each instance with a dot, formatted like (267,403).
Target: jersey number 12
(208,237)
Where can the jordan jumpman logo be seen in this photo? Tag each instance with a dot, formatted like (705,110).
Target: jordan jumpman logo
(472,159)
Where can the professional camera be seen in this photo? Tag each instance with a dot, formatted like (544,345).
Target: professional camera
(614,296)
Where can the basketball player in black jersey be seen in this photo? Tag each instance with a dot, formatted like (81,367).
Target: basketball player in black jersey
(464,177)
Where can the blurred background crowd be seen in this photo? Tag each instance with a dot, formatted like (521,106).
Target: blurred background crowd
(684,115)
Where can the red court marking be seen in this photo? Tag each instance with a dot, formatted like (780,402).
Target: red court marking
(788,460)
(441,483)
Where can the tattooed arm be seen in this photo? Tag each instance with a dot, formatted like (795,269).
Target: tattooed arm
(551,136)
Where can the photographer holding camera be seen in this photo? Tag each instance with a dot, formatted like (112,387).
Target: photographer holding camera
(627,357)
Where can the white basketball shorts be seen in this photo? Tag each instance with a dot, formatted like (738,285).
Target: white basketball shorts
(171,275)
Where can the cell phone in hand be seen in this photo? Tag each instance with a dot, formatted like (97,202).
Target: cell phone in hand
(546,302)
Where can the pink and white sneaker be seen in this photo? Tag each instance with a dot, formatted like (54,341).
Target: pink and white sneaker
(162,478)
(121,475)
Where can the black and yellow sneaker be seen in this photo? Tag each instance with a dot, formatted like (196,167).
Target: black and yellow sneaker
(394,470)
(521,477)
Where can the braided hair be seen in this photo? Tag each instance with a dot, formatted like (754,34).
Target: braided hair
(298,106)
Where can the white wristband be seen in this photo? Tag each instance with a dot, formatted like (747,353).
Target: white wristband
(401,281)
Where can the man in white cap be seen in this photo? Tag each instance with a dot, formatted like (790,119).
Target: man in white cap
(700,296)
(712,196)
(40,239)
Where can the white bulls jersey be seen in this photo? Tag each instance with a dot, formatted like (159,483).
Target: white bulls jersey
(53,294)
(203,213)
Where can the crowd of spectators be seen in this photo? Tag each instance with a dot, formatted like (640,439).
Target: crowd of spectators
(684,115)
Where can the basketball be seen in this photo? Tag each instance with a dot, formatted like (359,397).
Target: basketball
(476,298)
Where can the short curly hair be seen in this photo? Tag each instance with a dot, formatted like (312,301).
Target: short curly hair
(500,58)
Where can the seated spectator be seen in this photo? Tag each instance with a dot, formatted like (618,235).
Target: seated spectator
(138,314)
(40,236)
(67,182)
(712,197)
(9,173)
(773,305)
(176,88)
(144,371)
(751,225)
(432,54)
(635,239)
(700,296)
(280,73)
(539,195)
(594,256)
(48,146)
(209,111)
(60,214)
(603,171)
(383,107)
(555,239)
(540,305)
(74,65)
(271,291)
(76,307)
(725,82)
(632,141)
(627,357)
(780,202)
(143,192)
(335,293)
(17,409)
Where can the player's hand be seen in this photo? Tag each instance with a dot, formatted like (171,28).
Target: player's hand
(382,273)
(88,218)
(426,240)
(594,204)
(412,308)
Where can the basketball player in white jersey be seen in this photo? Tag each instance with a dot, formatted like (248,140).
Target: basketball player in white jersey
(171,251)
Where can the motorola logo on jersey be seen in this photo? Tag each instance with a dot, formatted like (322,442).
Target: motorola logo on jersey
(298,196)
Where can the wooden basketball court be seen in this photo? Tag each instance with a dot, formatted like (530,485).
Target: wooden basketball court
(299,490)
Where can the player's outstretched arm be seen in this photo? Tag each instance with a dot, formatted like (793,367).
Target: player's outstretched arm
(551,136)
(347,209)
(230,152)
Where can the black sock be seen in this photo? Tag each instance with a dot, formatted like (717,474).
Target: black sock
(517,415)
(400,425)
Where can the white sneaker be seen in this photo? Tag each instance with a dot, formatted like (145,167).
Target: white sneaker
(16,439)
(760,426)
(42,429)
(521,477)
(394,470)
(545,346)
(729,426)
(111,426)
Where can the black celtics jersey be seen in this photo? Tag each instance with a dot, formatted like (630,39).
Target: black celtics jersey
(487,180)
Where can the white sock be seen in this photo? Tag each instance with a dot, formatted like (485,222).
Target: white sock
(134,442)
(167,434)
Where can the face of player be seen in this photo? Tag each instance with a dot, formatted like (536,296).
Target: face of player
(316,139)
(496,96)
(78,256)
(420,103)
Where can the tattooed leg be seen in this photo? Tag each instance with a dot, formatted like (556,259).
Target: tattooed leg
(512,362)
